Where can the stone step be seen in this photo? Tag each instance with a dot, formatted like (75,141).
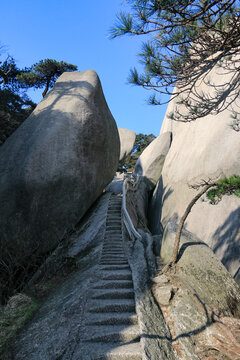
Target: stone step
(117,243)
(114,256)
(118,205)
(117,275)
(113,251)
(113,237)
(113,262)
(110,259)
(117,221)
(113,333)
(115,305)
(114,211)
(116,261)
(114,218)
(112,248)
(113,294)
(109,284)
(113,245)
(110,227)
(115,229)
(109,244)
(115,200)
(115,267)
(108,351)
(112,319)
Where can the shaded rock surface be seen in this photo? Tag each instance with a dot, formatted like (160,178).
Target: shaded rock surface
(127,139)
(207,148)
(55,330)
(56,165)
(150,162)
(137,201)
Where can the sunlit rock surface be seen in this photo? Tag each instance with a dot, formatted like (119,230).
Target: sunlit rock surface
(127,139)
(56,165)
(207,148)
(150,162)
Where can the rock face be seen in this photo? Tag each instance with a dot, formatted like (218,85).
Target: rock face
(56,165)
(127,139)
(205,300)
(207,148)
(208,277)
(150,162)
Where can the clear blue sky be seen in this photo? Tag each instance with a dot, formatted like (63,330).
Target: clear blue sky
(77,31)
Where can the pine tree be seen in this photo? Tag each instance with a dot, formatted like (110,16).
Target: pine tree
(185,40)
(44,74)
(15,105)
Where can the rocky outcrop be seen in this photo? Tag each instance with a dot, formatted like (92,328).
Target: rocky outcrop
(208,277)
(56,165)
(150,162)
(127,139)
(200,300)
(207,148)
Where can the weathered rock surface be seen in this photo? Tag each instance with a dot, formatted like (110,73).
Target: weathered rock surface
(203,292)
(56,165)
(207,148)
(137,201)
(127,139)
(202,270)
(150,162)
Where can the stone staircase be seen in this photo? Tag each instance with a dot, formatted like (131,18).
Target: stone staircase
(111,328)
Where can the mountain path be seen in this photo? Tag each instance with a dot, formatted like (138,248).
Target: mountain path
(111,326)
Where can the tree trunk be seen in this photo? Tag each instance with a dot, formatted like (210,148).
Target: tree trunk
(46,88)
(182,221)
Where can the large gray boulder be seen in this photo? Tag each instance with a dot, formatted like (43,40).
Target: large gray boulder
(56,165)
(208,148)
(127,139)
(150,162)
